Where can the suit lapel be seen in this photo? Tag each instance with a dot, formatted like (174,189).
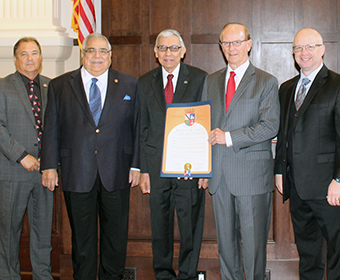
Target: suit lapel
(78,90)
(245,82)
(182,83)
(315,87)
(112,84)
(43,91)
(22,92)
(158,90)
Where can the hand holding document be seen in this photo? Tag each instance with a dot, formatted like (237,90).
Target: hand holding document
(186,151)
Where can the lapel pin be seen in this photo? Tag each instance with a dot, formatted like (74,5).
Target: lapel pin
(116,81)
(185,82)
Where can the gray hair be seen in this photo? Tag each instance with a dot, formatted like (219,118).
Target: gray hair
(95,35)
(169,33)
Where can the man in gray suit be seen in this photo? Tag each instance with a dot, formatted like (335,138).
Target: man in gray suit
(23,97)
(245,117)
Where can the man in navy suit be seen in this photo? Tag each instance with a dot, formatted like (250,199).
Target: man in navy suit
(168,194)
(92,131)
(307,164)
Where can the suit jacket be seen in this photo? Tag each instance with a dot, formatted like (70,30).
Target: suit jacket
(72,138)
(253,120)
(153,106)
(315,134)
(17,126)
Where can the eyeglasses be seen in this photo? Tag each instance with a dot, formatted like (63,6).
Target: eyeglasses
(93,51)
(163,48)
(236,43)
(308,48)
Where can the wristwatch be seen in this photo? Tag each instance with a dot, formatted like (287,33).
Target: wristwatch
(337,180)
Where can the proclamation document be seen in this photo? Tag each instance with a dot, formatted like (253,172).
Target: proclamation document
(186,151)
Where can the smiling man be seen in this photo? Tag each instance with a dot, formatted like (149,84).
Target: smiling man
(245,117)
(23,97)
(307,164)
(92,131)
(172,82)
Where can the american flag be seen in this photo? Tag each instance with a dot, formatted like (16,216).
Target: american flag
(83,19)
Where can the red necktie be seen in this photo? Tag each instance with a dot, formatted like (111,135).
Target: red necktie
(230,90)
(169,90)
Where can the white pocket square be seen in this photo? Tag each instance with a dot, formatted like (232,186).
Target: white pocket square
(127,97)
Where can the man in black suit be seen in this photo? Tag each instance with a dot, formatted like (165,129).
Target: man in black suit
(92,130)
(168,194)
(307,168)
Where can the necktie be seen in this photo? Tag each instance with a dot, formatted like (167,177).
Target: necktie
(95,101)
(230,90)
(36,109)
(302,93)
(169,90)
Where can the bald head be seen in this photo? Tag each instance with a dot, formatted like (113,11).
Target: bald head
(308,58)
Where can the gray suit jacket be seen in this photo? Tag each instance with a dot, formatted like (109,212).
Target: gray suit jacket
(17,132)
(252,120)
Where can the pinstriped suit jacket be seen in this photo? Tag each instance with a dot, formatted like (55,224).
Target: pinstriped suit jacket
(17,132)
(253,120)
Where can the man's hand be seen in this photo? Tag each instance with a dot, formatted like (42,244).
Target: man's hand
(333,196)
(50,179)
(279,183)
(217,136)
(134,177)
(203,183)
(30,163)
(144,183)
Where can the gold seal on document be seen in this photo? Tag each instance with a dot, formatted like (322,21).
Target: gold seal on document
(187,166)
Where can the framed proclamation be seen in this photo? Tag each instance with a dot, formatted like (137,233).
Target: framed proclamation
(186,151)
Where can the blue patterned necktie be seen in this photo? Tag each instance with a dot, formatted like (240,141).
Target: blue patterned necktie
(95,101)
(302,93)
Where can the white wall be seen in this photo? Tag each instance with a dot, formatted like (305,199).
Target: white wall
(50,22)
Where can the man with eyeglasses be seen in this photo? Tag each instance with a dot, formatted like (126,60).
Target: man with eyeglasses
(91,130)
(307,164)
(172,82)
(245,117)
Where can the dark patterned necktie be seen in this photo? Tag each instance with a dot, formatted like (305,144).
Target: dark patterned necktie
(169,90)
(36,109)
(302,93)
(95,101)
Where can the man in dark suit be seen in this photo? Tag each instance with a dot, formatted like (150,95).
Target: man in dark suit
(92,130)
(23,97)
(307,164)
(168,194)
(245,117)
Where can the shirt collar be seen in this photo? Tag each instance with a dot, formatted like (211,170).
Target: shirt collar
(175,72)
(239,71)
(86,76)
(312,75)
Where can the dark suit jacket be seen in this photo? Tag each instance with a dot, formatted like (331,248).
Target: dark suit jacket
(315,135)
(17,131)
(72,138)
(152,101)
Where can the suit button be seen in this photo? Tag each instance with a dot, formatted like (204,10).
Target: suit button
(296,115)
(36,144)
(97,130)
(95,152)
